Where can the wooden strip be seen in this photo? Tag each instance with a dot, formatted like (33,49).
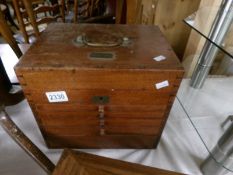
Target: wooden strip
(48,19)
(131,11)
(132,122)
(81,115)
(135,114)
(57,107)
(113,141)
(119,10)
(72,131)
(115,130)
(95,130)
(65,121)
(45,8)
(147,127)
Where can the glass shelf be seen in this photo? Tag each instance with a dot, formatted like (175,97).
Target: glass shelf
(203,22)
(208,108)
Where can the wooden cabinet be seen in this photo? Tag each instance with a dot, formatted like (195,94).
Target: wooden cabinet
(99,86)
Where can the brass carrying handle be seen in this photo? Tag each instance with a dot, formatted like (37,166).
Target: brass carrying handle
(100,44)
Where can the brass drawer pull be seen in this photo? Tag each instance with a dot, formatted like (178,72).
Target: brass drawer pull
(101,122)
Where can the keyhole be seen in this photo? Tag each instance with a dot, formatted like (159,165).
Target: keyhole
(100,99)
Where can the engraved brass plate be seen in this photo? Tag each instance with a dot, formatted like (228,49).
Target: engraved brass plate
(102,55)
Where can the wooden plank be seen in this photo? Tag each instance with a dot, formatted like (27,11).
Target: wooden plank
(131,11)
(167,15)
(119,10)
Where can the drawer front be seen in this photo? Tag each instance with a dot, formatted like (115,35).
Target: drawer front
(110,130)
(57,108)
(74,119)
(116,141)
(98,79)
(133,126)
(111,126)
(69,118)
(79,130)
(115,98)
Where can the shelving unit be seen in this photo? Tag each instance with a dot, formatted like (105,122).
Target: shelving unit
(209,108)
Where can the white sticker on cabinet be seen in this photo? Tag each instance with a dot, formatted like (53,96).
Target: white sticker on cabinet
(159,58)
(57,96)
(161,84)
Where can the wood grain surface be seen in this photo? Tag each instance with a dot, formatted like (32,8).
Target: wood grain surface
(78,163)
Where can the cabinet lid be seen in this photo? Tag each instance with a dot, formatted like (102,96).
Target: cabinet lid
(94,46)
(79,163)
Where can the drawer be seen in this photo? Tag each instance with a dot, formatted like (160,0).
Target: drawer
(132,130)
(79,130)
(111,127)
(134,115)
(63,115)
(116,141)
(132,126)
(116,97)
(85,115)
(70,119)
(62,107)
(92,117)
(87,79)
(75,107)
